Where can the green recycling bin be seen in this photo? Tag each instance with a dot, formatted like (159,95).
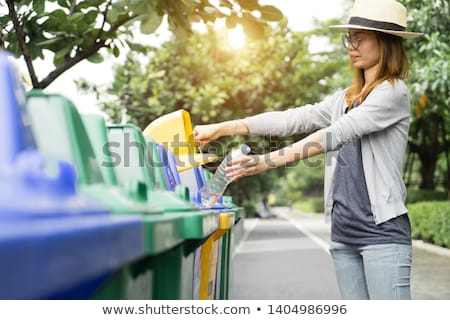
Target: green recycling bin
(225,243)
(232,238)
(173,276)
(211,264)
(60,134)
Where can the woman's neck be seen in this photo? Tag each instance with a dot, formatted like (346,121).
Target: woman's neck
(370,75)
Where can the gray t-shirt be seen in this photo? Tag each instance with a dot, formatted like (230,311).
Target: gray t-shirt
(352,219)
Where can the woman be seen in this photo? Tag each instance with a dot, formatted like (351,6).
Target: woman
(363,130)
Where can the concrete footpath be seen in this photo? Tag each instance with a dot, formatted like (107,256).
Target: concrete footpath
(287,258)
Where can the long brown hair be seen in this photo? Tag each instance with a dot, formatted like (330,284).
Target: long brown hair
(393,66)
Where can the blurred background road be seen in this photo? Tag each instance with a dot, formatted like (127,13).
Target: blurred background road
(286,257)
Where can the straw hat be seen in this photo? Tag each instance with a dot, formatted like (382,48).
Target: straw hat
(386,16)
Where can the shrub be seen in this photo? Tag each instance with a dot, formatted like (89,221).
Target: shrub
(312,204)
(430,221)
(418,195)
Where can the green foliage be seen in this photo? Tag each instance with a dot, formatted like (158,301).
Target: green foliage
(429,58)
(215,82)
(419,195)
(302,185)
(304,180)
(310,204)
(204,75)
(76,30)
(430,221)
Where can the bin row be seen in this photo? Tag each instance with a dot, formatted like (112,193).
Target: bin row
(96,211)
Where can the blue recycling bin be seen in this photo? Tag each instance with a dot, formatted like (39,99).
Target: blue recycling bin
(54,243)
(168,163)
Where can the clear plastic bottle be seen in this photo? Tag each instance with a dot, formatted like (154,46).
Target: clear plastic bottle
(214,188)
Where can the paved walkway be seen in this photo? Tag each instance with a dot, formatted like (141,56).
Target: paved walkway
(287,258)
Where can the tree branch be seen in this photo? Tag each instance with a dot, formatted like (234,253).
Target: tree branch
(105,12)
(81,55)
(2,43)
(70,63)
(73,4)
(22,43)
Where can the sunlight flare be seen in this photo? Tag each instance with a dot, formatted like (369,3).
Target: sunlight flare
(236,37)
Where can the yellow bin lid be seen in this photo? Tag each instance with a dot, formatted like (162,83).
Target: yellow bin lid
(174,132)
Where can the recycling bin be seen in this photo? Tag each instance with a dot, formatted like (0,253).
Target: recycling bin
(61,134)
(174,132)
(214,263)
(173,271)
(61,253)
(234,238)
(55,243)
(214,255)
(229,241)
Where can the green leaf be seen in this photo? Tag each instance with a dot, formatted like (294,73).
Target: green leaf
(90,17)
(64,3)
(150,22)
(94,3)
(249,4)
(136,47)
(39,6)
(60,55)
(253,28)
(270,13)
(49,41)
(113,15)
(57,21)
(89,3)
(76,17)
(96,58)
(35,51)
(116,51)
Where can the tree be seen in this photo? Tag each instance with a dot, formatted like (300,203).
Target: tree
(429,58)
(76,30)
(214,82)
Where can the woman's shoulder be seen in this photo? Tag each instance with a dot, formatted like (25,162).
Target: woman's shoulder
(397,85)
(396,88)
(392,95)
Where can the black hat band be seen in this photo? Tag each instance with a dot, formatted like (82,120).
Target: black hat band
(376,24)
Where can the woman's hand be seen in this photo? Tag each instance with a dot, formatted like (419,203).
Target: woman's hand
(209,132)
(206,133)
(247,166)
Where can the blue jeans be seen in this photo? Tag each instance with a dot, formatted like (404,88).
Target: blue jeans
(379,271)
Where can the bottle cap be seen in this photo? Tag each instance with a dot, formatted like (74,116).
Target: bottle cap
(245,149)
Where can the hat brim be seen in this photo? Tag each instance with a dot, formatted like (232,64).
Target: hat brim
(188,161)
(402,34)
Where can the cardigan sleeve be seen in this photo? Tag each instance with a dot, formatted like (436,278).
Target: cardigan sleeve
(293,121)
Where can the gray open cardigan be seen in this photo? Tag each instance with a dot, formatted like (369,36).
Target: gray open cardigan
(382,123)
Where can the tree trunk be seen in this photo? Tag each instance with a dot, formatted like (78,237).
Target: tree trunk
(428,150)
(428,160)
